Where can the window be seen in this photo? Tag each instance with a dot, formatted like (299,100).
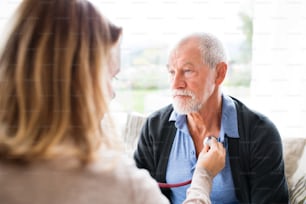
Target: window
(152,27)
(265,41)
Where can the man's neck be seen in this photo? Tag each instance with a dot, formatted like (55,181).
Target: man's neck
(208,119)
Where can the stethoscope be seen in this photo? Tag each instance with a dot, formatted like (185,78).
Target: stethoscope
(175,185)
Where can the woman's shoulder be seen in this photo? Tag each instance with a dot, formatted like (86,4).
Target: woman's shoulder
(137,183)
(121,167)
(113,178)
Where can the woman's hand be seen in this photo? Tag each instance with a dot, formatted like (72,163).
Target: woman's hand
(212,157)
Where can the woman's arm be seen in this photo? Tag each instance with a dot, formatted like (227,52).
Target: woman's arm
(210,162)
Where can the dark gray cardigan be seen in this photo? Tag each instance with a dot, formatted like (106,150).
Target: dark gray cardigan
(256,158)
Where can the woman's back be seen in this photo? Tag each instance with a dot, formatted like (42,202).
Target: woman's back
(112,179)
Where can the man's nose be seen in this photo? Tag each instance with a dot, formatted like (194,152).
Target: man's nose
(178,81)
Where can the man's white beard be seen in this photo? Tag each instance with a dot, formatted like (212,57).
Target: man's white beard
(186,105)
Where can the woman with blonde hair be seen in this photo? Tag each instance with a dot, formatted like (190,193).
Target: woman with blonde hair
(56,69)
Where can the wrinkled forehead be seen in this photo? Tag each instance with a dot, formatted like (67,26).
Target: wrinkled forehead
(188,50)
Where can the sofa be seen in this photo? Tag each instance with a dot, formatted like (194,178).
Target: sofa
(293,149)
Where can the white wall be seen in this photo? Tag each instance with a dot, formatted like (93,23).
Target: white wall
(278,86)
(6,9)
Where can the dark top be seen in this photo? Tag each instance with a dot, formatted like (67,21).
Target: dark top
(256,158)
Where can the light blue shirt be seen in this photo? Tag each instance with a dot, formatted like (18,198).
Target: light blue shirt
(182,158)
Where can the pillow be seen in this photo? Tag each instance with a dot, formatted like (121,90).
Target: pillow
(298,193)
(293,149)
(132,130)
(298,179)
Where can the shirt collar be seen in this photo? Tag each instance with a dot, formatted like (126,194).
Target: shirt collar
(229,121)
(229,124)
(180,121)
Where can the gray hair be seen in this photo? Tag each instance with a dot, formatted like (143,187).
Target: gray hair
(211,48)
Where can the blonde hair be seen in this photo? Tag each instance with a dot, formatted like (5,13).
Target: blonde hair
(53,73)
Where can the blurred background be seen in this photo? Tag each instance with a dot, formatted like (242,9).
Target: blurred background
(265,42)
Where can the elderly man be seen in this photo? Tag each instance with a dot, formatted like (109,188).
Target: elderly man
(172,137)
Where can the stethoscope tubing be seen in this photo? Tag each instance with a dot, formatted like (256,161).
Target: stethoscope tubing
(174,185)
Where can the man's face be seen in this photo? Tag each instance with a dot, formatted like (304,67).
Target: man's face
(192,81)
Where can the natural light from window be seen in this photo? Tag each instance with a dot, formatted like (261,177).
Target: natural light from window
(265,41)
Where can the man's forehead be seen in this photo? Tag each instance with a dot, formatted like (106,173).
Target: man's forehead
(184,53)
(186,50)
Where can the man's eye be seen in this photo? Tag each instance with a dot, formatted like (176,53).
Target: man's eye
(171,72)
(187,71)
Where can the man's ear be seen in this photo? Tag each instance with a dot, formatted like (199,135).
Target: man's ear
(221,70)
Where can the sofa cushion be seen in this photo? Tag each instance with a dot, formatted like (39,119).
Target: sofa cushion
(293,150)
(134,123)
(298,192)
